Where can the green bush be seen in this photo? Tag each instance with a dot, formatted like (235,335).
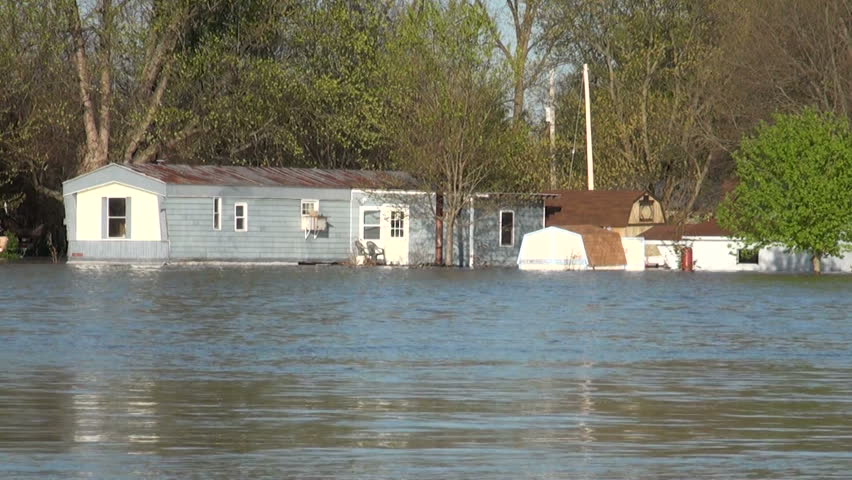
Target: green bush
(12,248)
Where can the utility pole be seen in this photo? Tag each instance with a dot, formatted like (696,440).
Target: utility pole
(589,162)
(551,120)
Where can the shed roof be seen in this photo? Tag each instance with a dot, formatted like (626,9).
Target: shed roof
(607,208)
(709,228)
(603,247)
(274,176)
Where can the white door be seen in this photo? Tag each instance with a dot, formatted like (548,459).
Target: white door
(387,228)
(395,234)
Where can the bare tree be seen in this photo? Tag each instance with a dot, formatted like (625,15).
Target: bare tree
(96,38)
(786,54)
(530,53)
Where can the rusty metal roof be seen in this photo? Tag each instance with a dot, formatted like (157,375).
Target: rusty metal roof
(275,176)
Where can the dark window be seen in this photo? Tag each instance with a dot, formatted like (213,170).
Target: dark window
(372,225)
(117,217)
(507,228)
(241,217)
(217,214)
(747,255)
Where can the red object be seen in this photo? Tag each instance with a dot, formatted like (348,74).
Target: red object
(76,254)
(686,259)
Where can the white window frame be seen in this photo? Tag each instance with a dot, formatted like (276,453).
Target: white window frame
(307,201)
(401,227)
(500,228)
(217,213)
(364,225)
(245,217)
(110,217)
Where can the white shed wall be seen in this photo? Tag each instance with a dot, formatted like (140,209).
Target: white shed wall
(718,254)
(634,251)
(667,257)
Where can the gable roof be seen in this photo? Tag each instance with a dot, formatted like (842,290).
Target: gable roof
(274,176)
(603,247)
(709,228)
(605,208)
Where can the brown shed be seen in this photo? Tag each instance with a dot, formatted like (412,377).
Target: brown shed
(603,247)
(627,212)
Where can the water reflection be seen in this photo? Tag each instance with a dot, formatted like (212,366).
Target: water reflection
(347,373)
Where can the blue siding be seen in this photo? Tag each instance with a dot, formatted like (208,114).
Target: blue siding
(529,217)
(274,227)
(124,251)
(70,222)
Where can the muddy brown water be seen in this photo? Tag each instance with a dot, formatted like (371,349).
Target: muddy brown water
(338,373)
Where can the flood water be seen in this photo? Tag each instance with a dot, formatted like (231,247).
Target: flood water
(341,373)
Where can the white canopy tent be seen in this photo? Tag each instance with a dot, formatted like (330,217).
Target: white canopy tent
(553,248)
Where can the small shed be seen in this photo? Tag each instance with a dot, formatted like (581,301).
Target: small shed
(572,247)
(553,248)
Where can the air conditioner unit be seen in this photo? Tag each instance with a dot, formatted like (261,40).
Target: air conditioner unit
(313,224)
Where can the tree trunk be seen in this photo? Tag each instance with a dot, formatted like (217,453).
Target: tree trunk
(439,229)
(96,121)
(518,101)
(817,261)
(450,223)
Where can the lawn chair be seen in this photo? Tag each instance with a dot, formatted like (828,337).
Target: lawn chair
(362,251)
(375,252)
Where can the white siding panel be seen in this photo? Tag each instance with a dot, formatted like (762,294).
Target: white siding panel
(144,213)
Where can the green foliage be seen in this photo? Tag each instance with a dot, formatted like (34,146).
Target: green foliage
(12,251)
(339,51)
(795,185)
(449,128)
(302,86)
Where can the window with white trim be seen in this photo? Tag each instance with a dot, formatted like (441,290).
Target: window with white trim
(117,217)
(310,207)
(217,214)
(241,217)
(507,228)
(371,226)
(397,224)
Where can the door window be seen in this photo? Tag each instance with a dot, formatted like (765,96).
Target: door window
(397,224)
